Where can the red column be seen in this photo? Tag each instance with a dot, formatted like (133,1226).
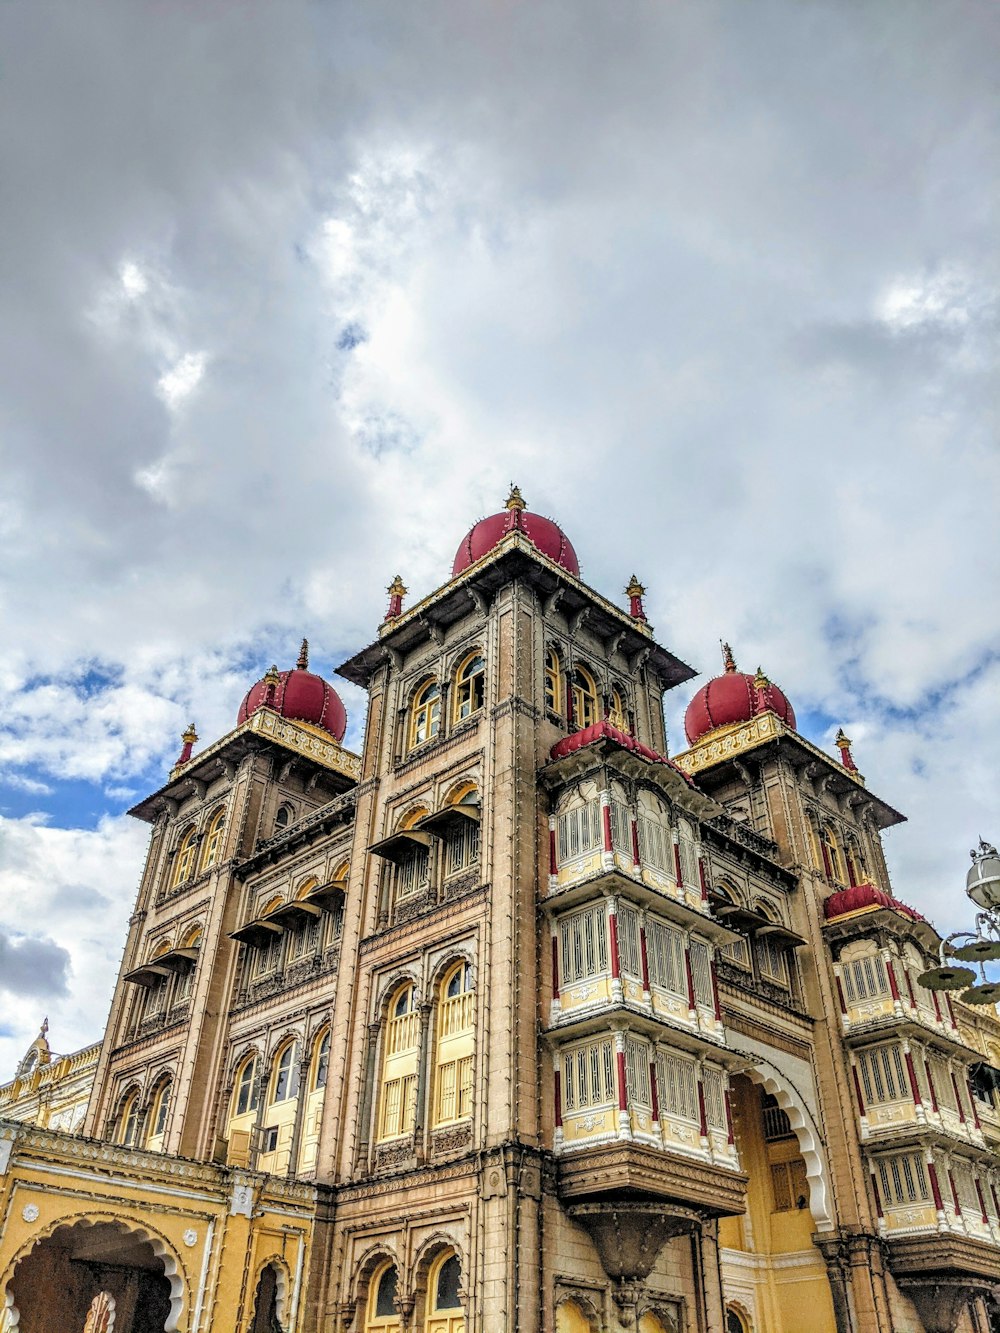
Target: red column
(654,1091)
(909,987)
(715,990)
(937,1005)
(690,978)
(702,880)
(954,1194)
(677,864)
(935,1187)
(930,1083)
(982,1201)
(622,1093)
(893,987)
(840,995)
(730,1134)
(635,843)
(606,816)
(702,1115)
(972,1103)
(558,1098)
(911,1074)
(555,968)
(553,863)
(644,957)
(878,1197)
(958,1100)
(951,1011)
(857,1089)
(826,858)
(996,1201)
(613,928)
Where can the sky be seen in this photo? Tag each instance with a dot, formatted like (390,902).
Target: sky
(293,292)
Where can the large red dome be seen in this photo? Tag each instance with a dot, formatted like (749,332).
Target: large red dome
(299,695)
(735,696)
(547,536)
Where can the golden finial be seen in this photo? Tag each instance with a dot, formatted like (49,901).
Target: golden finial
(272,676)
(190,736)
(515,500)
(728,660)
(760,680)
(397,588)
(635,588)
(303,663)
(842,740)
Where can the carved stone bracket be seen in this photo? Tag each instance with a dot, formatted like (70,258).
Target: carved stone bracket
(629,1236)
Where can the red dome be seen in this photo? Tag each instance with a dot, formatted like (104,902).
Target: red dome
(547,536)
(298,695)
(735,696)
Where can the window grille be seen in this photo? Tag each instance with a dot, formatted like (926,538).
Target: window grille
(943,1086)
(629,947)
(656,845)
(903,1180)
(583,944)
(715,1098)
(701,974)
(883,1074)
(665,953)
(865,979)
(455,1090)
(412,872)
(579,831)
(589,1075)
(689,857)
(621,828)
(637,1073)
(462,846)
(399,1106)
(676,1079)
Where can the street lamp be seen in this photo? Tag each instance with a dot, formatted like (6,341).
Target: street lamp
(983,888)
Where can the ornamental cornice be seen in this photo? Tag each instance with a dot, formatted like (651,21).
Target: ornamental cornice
(406,1181)
(440,912)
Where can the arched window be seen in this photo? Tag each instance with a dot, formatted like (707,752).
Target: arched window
(553,682)
(184,859)
(444,1305)
(285,1079)
(772,958)
(425,715)
(245,1088)
(617,713)
(570,1318)
(832,861)
(735,1322)
(321,1061)
(382,1315)
(185,977)
(455,1046)
(283,818)
(213,839)
(470,687)
(687,843)
(128,1120)
(400,1059)
(159,1111)
(584,699)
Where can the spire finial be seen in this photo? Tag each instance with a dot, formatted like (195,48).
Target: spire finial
(188,739)
(397,590)
(303,663)
(728,660)
(515,500)
(760,680)
(635,593)
(45,1026)
(843,743)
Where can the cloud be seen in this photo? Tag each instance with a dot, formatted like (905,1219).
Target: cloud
(35,967)
(292,296)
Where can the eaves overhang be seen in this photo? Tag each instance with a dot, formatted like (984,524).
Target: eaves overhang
(516,558)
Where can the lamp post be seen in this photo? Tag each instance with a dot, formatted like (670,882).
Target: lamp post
(982,886)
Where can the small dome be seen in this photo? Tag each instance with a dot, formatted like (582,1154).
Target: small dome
(860,896)
(735,696)
(299,695)
(547,536)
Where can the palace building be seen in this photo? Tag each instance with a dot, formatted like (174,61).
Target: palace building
(516,1020)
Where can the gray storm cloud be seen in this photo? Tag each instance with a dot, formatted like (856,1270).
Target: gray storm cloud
(293,292)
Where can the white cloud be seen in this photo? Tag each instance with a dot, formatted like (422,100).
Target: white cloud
(175,384)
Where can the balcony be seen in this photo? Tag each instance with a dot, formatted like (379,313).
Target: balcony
(638,1171)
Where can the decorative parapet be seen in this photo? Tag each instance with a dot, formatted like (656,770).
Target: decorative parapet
(304,740)
(726,742)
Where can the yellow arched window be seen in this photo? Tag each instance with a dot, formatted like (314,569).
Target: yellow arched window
(159,1112)
(400,1060)
(834,864)
(585,712)
(382,1314)
(553,682)
(570,1318)
(617,713)
(128,1120)
(425,715)
(184,859)
(285,1078)
(321,1062)
(245,1087)
(444,1305)
(213,840)
(456,1035)
(470,687)
(736,1321)
(283,818)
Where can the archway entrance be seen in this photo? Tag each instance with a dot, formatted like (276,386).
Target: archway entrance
(98,1278)
(265,1310)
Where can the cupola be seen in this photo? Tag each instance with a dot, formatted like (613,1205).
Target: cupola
(735,696)
(300,695)
(488,533)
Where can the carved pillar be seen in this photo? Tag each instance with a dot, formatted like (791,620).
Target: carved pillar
(367,1090)
(420,1114)
(301,1103)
